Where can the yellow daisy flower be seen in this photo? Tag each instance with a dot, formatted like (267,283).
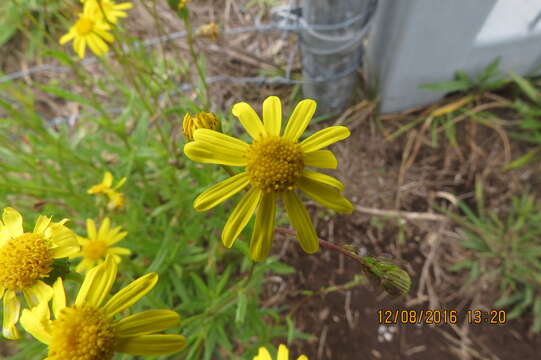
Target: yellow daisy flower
(25,259)
(89,30)
(275,166)
(97,246)
(87,329)
(116,198)
(108,9)
(283,354)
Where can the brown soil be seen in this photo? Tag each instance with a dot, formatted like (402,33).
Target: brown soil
(345,322)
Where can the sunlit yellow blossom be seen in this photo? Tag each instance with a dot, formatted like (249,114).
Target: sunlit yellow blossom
(107,9)
(89,30)
(275,166)
(116,198)
(25,259)
(202,120)
(182,3)
(211,30)
(98,244)
(283,354)
(106,185)
(87,329)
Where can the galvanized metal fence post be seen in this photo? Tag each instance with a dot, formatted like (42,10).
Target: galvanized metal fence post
(331,45)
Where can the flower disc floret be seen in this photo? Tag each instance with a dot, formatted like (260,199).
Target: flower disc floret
(23,260)
(95,249)
(82,333)
(274,164)
(84,26)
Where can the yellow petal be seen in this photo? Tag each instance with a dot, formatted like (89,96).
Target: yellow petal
(283,353)
(300,119)
(79,45)
(299,218)
(84,265)
(150,344)
(13,221)
(97,283)
(64,251)
(67,37)
(211,154)
(146,322)
(263,354)
(323,178)
(119,251)
(123,6)
(59,297)
(324,137)
(41,224)
(225,144)
(272,115)
(95,45)
(302,357)
(325,195)
(249,119)
(320,159)
(130,294)
(104,229)
(263,232)
(221,192)
(121,182)
(91,229)
(240,216)
(107,179)
(37,322)
(37,293)
(104,35)
(11,309)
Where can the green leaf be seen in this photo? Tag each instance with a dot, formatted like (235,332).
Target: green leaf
(525,159)
(527,88)
(11,16)
(242,303)
(508,300)
(67,95)
(447,86)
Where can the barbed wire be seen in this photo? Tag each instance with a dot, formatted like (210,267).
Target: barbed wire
(286,19)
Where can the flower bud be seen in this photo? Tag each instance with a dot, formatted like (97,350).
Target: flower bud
(202,120)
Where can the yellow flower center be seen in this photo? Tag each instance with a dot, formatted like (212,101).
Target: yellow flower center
(274,164)
(82,333)
(23,260)
(84,26)
(95,249)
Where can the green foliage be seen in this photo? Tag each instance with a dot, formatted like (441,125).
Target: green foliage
(490,78)
(505,251)
(128,121)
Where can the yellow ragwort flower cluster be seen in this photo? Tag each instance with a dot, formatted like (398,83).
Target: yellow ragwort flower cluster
(87,329)
(275,166)
(116,198)
(92,28)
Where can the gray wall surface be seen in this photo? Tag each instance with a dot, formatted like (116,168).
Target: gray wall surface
(416,42)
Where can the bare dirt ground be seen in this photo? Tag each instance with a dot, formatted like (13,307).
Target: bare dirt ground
(381,180)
